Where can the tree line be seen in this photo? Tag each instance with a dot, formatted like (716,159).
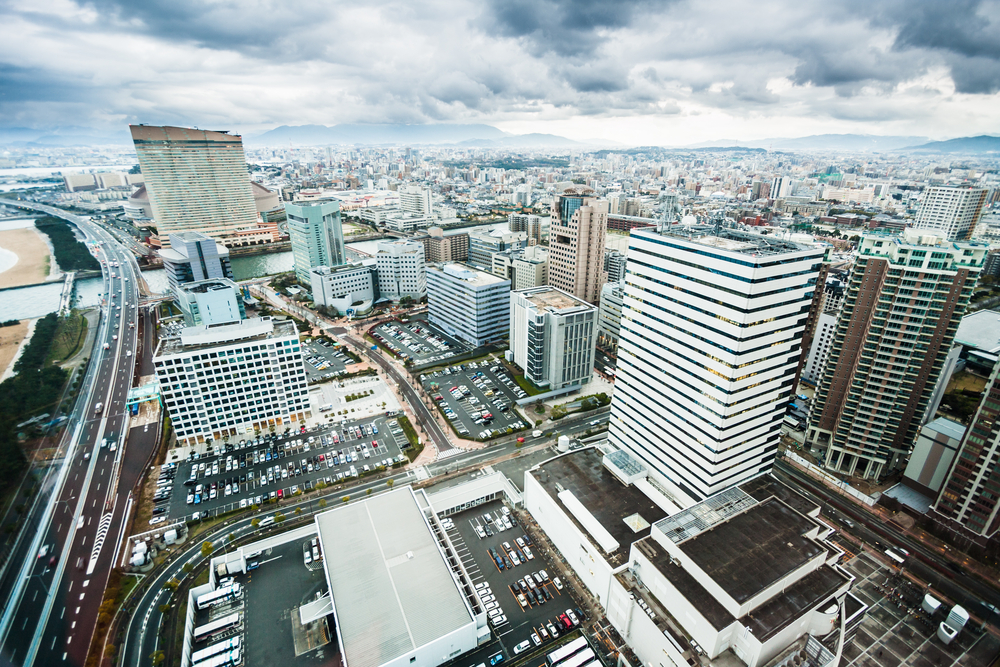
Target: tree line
(71,254)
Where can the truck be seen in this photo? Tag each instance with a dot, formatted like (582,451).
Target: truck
(536,433)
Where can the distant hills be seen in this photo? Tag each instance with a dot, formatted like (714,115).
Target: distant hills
(373,135)
(62,136)
(981,144)
(821,142)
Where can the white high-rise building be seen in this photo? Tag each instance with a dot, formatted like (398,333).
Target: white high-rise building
(471,305)
(416,200)
(819,351)
(225,380)
(709,343)
(951,212)
(552,337)
(213,301)
(610,314)
(401,270)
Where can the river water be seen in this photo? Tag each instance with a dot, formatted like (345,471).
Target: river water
(40,300)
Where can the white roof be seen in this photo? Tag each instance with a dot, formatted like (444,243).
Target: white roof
(392,589)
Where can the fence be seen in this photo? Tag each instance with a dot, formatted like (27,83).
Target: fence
(816,471)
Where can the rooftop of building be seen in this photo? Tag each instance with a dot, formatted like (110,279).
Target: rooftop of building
(747,552)
(550,299)
(340,268)
(578,191)
(765,486)
(980,330)
(172,254)
(391,586)
(819,585)
(947,427)
(212,335)
(467,274)
(603,498)
(144,133)
(730,240)
(210,285)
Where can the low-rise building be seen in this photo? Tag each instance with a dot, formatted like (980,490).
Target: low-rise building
(193,256)
(484,242)
(471,305)
(552,337)
(346,287)
(226,380)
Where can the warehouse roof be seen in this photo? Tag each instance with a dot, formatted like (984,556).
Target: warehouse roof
(386,572)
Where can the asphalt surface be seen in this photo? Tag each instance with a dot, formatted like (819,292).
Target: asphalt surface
(464,407)
(424,418)
(925,563)
(284,451)
(421,350)
(142,635)
(51,602)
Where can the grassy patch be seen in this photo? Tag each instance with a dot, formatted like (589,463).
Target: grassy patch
(70,334)
(584,404)
(965,381)
(411,435)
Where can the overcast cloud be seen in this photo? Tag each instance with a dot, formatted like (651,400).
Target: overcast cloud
(632,71)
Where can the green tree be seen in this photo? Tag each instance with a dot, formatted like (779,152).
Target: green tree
(158,658)
(187,567)
(206,549)
(254,523)
(279,517)
(368,492)
(390,482)
(322,503)
(164,608)
(346,499)
(298,511)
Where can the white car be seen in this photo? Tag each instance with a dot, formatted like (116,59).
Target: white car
(558,583)
(157,519)
(522,647)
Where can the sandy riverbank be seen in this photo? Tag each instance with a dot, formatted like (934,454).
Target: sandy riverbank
(10,342)
(32,257)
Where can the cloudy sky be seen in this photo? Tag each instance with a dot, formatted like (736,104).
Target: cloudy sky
(632,71)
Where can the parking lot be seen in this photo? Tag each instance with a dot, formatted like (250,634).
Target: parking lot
(252,471)
(324,361)
(478,399)
(418,340)
(530,614)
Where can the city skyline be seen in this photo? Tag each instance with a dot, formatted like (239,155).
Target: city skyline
(673,73)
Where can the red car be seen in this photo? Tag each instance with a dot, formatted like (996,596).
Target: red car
(564,619)
(280,493)
(374,443)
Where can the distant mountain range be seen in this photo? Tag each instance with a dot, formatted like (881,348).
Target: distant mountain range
(981,144)
(820,142)
(62,136)
(373,135)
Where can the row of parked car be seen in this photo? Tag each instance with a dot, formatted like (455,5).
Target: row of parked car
(564,622)
(490,604)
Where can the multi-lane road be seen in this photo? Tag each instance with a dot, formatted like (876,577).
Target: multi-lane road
(52,588)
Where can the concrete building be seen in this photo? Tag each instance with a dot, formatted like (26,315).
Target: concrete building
(210,302)
(484,242)
(610,315)
(317,236)
(471,305)
(197,181)
(706,359)
(440,247)
(529,224)
(969,502)
(614,265)
(232,379)
(552,337)
(401,270)
(137,207)
(819,350)
(905,298)
(194,256)
(749,570)
(385,571)
(346,287)
(951,212)
(933,453)
(524,268)
(416,200)
(399,221)
(576,243)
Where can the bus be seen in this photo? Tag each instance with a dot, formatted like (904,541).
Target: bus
(580,659)
(218,596)
(326,407)
(215,649)
(227,658)
(212,629)
(565,651)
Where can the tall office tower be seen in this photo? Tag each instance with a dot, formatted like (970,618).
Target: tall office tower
(951,212)
(576,243)
(484,242)
(609,316)
(213,301)
(416,200)
(905,298)
(195,256)
(401,270)
(529,224)
(317,236)
(969,502)
(552,337)
(781,186)
(614,265)
(710,332)
(441,247)
(471,305)
(196,179)
(229,379)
